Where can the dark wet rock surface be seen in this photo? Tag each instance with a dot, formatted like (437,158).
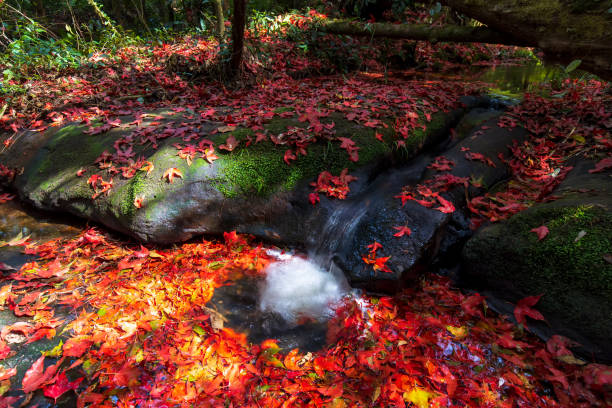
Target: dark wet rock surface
(249,189)
(238,304)
(506,262)
(432,230)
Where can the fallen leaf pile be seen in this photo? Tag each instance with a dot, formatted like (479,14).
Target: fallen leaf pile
(141,335)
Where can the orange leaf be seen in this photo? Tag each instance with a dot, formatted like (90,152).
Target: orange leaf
(292,359)
(5,374)
(138,202)
(171,173)
(76,346)
(333,391)
(230,144)
(148,167)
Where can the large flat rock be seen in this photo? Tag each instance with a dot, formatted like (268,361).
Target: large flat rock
(250,189)
(570,267)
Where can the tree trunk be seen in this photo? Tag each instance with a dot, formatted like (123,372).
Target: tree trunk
(420,32)
(103,17)
(40,8)
(118,13)
(561,28)
(140,12)
(220,19)
(164,16)
(238,26)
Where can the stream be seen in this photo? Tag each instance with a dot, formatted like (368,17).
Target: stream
(293,303)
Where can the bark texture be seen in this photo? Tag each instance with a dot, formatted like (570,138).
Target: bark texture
(220,19)
(238,25)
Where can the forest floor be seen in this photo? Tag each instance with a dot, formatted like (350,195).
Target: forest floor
(139,333)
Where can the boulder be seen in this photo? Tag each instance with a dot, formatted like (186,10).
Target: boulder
(571,267)
(379,211)
(249,189)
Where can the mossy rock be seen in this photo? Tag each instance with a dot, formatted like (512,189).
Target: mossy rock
(568,266)
(251,185)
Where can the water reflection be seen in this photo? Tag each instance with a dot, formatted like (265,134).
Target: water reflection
(517,79)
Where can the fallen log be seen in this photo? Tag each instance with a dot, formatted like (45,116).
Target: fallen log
(449,33)
(565,30)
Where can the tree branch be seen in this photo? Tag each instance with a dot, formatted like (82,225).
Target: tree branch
(420,32)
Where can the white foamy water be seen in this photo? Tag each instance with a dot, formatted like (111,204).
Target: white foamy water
(295,288)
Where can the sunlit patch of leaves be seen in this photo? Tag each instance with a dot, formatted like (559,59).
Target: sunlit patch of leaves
(142,333)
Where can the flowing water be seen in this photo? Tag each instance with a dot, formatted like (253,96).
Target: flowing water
(293,303)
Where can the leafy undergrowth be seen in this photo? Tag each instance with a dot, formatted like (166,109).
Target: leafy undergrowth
(141,335)
(147,77)
(135,81)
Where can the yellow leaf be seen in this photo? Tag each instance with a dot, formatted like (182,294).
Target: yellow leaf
(459,332)
(55,351)
(4,387)
(569,359)
(418,397)
(376,394)
(225,129)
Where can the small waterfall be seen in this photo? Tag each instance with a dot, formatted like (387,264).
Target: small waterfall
(340,226)
(296,289)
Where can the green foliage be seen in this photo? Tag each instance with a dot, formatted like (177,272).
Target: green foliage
(33,47)
(30,48)
(572,66)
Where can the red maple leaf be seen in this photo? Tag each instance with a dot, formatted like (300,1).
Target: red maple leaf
(230,143)
(541,232)
(350,147)
(313,198)
(381,264)
(480,157)
(602,165)
(94,180)
(524,308)
(60,386)
(374,246)
(289,156)
(472,306)
(403,230)
(441,163)
(36,376)
(446,206)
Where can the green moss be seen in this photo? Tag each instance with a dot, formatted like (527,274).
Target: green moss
(284,109)
(261,169)
(438,123)
(122,200)
(68,150)
(573,276)
(580,263)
